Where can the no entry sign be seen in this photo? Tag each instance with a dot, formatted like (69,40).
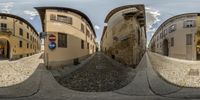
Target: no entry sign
(52,37)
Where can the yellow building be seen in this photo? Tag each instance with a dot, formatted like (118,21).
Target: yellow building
(70,36)
(124,37)
(178,37)
(18,38)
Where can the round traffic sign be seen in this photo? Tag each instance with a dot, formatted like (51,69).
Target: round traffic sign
(52,37)
(52,45)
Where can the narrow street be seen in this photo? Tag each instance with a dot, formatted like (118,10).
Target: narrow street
(98,75)
(88,82)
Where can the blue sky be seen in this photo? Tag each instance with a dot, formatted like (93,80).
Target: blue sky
(157,11)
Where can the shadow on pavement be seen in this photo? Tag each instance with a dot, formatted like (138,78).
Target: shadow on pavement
(27,88)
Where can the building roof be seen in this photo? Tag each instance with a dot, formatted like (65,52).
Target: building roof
(42,10)
(21,19)
(168,20)
(112,12)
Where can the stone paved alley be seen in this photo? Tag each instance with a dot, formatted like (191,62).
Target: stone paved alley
(17,71)
(98,75)
(147,84)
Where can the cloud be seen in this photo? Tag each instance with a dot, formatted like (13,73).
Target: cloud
(153,17)
(6,7)
(97,27)
(31,13)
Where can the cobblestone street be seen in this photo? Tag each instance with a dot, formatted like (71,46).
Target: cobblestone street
(180,72)
(17,71)
(98,75)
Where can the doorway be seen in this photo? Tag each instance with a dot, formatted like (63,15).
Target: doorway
(4,49)
(165,47)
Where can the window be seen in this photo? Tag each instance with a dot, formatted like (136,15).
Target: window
(188,39)
(27,35)
(82,44)
(31,37)
(82,28)
(160,44)
(87,45)
(52,17)
(27,27)
(64,19)
(91,37)
(172,42)
(172,28)
(27,45)
(62,40)
(3,26)
(189,24)
(21,22)
(165,31)
(20,44)
(87,31)
(157,38)
(3,17)
(20,31)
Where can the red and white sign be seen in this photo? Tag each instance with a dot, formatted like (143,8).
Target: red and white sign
(52,37)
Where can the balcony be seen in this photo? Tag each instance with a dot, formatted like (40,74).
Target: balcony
(6,31)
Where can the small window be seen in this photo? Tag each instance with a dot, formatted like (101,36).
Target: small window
(20,31)
(88,45)
(27,35)
(82,28)
(87,31)
(62,40)
(189,24)
(3,26)
(31,37)
(188,39)
(21,22)
(82,44)
(52,17)
(27,45)
(64,19)
(3,17)
(20,44)
(172,42)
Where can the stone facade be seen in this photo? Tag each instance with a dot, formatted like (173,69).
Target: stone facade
(75,37)
(18,38)
(178,37)
(124,37)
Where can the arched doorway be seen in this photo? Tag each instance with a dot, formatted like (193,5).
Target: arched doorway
(4,49)
(165,47)
(198,50)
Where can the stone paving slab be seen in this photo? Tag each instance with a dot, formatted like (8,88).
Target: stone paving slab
(176,71)
(51,90)
(157,83)
(24,89)
(139,86)
(91,77)
(162,87)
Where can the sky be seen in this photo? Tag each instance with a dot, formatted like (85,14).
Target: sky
(157,11)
